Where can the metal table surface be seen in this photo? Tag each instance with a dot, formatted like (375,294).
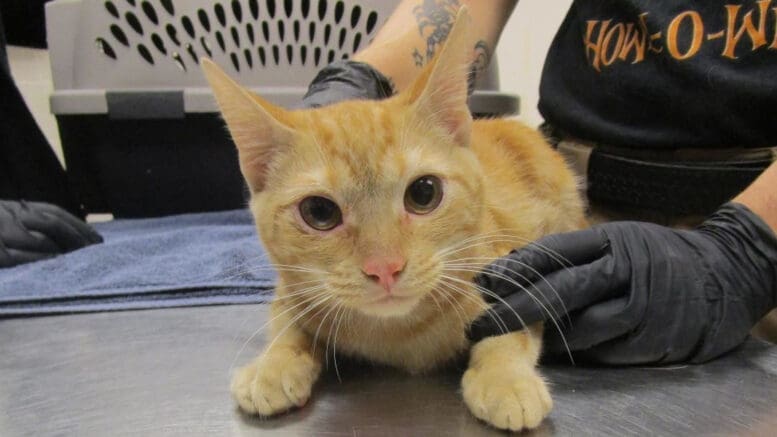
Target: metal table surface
(166,372)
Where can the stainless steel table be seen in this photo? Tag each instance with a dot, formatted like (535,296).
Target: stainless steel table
(166,372)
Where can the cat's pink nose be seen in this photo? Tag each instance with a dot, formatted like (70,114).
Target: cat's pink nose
(384,270)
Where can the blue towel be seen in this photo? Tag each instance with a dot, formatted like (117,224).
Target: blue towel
(184,260)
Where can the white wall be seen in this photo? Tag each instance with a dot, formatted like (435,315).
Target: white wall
(522,48)
(31,70)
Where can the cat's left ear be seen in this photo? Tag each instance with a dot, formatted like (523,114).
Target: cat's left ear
(259,129)
(440,92)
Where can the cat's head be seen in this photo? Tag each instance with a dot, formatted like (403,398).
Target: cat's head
(368,197)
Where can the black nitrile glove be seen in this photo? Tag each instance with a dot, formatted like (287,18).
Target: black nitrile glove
(30,231)
(638,293)
(346,80)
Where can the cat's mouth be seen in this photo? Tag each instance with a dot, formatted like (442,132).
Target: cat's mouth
(386,299)
(389,304)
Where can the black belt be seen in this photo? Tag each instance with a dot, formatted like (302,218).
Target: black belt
(676,188)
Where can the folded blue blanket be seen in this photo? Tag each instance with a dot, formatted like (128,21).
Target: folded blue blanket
(185,260)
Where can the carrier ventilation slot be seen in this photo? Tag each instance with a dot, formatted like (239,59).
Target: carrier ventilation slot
(259,31)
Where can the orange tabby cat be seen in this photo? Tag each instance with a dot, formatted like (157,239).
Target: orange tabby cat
(379,214)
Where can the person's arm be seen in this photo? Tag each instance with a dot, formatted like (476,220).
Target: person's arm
(761,196)
(411,37)
(417,29)
(638,293)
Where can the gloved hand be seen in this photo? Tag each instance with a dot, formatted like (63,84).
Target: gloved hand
(30,231)
(638,293)
(346,80)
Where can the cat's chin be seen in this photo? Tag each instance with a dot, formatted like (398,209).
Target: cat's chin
(390,306)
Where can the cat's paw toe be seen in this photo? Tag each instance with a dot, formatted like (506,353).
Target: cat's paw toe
(515,402)
(241,385)
(297,382)
(275,384)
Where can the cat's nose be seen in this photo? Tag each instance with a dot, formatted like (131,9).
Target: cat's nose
(384,270)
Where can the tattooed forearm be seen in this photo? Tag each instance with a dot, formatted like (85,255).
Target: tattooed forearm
(479,65)
(435,19)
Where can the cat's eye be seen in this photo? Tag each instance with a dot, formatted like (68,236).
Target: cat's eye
(320,213)
(423,195)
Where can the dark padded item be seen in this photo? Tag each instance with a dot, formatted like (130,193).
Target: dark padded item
(346,80)
(638,293)
(31,231)
(691,188)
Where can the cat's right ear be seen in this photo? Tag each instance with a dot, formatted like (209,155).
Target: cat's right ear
(259,129)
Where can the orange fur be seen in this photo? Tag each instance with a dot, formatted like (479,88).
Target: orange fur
(499,178)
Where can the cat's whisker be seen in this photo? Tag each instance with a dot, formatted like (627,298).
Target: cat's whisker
(446,281)
(500,323)
(488,292)
(261,328)
(231,271)
(303,268)
(520,319)
(436,302)
(562,261)
(237,334)
(472,243)
(286,290)
(334,344)
(485,307)
(282,268)
(297,294)
(263,268)
(245,266)
(318,330)
(523,277)
(461,312)
(283,286)
(296,318)
(452,302)
(481,263)
(488,240)
(339,307)
(482,235)
(554,315)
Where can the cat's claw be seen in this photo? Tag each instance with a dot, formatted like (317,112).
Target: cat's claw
(275,382)
(507,400)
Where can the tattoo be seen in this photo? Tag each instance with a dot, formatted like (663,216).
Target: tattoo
(435,19)
(418,58)
(479,65)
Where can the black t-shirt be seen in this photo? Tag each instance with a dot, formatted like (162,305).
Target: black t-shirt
(665,73)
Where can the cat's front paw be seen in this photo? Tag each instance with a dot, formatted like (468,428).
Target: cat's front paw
(277,381)
(510,399)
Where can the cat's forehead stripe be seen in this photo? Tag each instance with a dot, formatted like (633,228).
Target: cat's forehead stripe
(358,135)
